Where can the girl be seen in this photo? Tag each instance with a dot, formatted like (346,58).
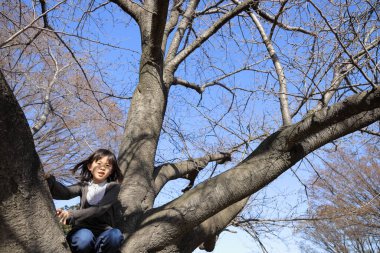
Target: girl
(93,224)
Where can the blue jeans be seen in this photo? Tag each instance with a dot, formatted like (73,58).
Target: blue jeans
(84,241)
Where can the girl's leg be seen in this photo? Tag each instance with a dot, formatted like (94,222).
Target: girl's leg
(81,241)
(109,241)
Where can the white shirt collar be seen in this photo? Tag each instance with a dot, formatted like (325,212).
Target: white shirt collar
(101,184)
(96,192)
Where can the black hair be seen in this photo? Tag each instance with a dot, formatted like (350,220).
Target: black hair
(97,155)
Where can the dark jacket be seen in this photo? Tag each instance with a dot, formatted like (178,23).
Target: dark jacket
(98,217)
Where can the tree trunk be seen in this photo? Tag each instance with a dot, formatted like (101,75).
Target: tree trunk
(145,118)
(26,210)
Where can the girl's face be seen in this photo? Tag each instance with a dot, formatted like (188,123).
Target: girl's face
(100,170)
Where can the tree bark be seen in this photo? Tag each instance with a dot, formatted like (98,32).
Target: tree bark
(206,234)
(201,213)
(145,118)
(26,205)
(274,156)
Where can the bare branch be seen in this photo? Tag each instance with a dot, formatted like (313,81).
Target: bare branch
(275,21)
(214,8)
(174,63)
(272,19)
(339,74)
(279,152)
(46,101)
(187,19)
(89,10)
(370,132)
(361,42)
(186,169)
(243,221)
(179,81)
(131,8)
(353,60)
(30,24)
(47,26)
(173,21)
(286,119)
(108,94)
(50,30)
(341,71)
(201,88)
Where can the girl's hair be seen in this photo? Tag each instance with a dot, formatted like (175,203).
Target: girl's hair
(85,173)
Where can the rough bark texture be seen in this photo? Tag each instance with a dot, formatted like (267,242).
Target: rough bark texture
(199,215)
(145,117)
(206,234)
(274,156)
(25,202)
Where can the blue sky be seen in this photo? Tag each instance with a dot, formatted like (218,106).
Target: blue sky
(122,68)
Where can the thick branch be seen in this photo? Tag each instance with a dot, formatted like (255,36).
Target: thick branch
(206,234)
(167,172)
(187,84)
(152,26)
(328,123)
(131,8)
(275,155)
(173,21)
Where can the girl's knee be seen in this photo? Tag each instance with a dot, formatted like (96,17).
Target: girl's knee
(82,240)
(115,235)
(109,241)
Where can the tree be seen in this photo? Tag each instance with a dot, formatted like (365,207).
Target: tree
(55,96)
(344,203)
(320,68)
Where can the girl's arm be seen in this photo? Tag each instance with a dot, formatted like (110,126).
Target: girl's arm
(60,191)
(110,198)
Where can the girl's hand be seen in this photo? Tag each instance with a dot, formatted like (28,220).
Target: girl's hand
(63,215)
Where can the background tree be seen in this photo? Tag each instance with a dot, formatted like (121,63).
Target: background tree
(275,81)
(344,203)
(52,90)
